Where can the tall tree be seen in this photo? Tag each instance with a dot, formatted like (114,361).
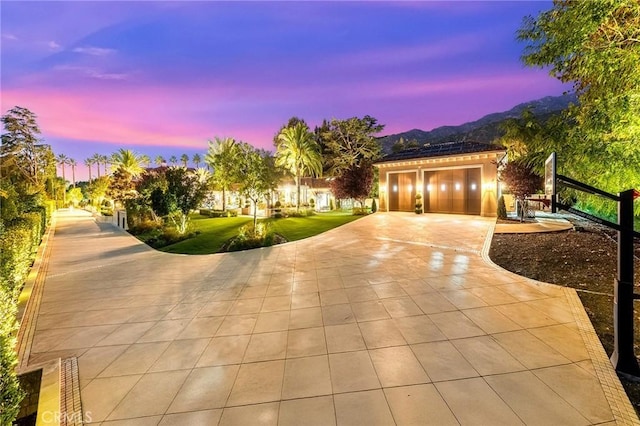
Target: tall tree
(73,164)
(292,122)
(184,159)
(595,45)
(21,144)
(96,159)
(173,160)
(350,142)
(63,161)
(222,156)
(196,160)
(146,160)
(299,153)
(89,162)
(129,161)
(105,159)
(160,161)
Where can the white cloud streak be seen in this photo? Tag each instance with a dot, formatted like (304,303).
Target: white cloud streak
(94,51)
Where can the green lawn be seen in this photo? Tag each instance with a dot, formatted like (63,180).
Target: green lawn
(214,232)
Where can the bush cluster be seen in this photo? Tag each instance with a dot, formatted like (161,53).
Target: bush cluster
(250,238)
(19,241)
(218,213)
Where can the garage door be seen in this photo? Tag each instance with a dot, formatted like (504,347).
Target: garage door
(452,191)
(402,192)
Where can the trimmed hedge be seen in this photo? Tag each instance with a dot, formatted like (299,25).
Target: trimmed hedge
(218,213)
(19,241)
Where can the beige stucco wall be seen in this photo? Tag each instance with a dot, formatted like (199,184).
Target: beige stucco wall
(487,161)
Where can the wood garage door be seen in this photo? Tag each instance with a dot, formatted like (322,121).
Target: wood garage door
(452,191)
(402,192)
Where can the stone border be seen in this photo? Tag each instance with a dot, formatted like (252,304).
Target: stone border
(621,408)
(31,295)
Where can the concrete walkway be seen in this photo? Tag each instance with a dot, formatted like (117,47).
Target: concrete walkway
(392,319)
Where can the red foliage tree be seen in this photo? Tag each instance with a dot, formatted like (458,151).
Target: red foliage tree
(354,182)
(522,182)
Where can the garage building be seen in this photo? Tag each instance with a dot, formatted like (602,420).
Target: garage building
(452,177)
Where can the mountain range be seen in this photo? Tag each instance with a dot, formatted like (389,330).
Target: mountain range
(485,130)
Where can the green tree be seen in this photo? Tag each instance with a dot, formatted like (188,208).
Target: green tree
(595,45)
(173,160)
(196,160)
(184,159)
(74,195)
(185,193)
(73,164)
(259,176)
(222,156)
(298,153)
(89,162)
(95,159)
(97,190)
(128,161)
(160,161)
(121,187)
(63,161)
(348,143)
(145,160)
(104,159)
(21,144)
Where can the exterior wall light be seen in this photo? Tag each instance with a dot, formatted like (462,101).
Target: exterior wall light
(395,188)
(443,187)
(457,187)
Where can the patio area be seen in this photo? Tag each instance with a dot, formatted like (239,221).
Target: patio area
(392,319)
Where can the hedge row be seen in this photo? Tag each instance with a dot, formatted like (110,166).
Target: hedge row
(19,241)
(218,213)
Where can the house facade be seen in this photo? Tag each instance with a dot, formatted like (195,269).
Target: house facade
(452,177)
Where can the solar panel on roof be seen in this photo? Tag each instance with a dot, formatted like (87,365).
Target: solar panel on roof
(441,149)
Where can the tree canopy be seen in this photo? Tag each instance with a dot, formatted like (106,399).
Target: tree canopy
(298,153)
(222,156)
(595,45)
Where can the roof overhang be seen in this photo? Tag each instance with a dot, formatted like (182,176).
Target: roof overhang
(447,159)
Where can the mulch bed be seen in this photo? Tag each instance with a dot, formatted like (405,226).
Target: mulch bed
(584,259)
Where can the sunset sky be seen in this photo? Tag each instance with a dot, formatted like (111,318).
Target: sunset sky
(162,78)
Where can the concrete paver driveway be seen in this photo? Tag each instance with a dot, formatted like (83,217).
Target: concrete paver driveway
(392,319)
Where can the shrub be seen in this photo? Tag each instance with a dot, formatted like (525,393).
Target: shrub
(374,206)
(19,241)
(218,213)
(331,205)
(418,203)
(249,238)
(360,211)
(502,208)
(144,227)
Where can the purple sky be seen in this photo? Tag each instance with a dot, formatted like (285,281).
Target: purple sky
(162,78)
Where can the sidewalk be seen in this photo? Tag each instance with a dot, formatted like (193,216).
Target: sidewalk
(392,319)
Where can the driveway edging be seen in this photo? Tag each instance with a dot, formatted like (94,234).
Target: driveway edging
(619,402)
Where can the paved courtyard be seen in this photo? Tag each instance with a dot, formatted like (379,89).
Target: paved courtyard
(392,319)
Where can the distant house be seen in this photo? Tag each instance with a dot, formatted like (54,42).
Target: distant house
(316,189)
(453,177)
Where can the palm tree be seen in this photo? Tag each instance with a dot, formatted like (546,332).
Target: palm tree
(298,153)
(184,158)
(173,160)
(146,160)
(105,161)
(73,165)
(96,160)
(160,161)
(89,162)
(196,160)
(63,160)
(128,161)
(222,158)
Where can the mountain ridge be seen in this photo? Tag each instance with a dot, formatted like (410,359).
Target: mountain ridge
(486,129)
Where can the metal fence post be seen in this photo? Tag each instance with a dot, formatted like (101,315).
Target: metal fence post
(623,358)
